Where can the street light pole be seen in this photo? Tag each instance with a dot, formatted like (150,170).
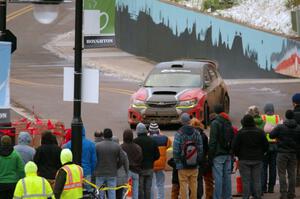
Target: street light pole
(77,122)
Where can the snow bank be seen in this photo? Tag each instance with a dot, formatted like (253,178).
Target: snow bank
(271,15)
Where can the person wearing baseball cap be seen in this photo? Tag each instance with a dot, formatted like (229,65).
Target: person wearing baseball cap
(296,104)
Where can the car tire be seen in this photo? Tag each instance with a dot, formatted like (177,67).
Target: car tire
(226,104)
(206,115)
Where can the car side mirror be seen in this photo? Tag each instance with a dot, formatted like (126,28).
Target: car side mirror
(140,84)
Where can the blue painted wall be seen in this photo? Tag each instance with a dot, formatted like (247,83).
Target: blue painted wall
(269,52)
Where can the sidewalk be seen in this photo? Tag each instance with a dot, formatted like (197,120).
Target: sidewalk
(109,60)
(116,62)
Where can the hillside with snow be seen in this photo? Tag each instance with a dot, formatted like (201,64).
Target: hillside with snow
(270,15)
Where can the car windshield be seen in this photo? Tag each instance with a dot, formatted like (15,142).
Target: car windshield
(173,80)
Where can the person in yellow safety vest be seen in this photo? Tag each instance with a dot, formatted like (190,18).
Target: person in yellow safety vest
(69,178)
(271,120)
(33,186)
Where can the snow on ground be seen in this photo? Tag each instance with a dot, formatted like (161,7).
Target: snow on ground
(271,15)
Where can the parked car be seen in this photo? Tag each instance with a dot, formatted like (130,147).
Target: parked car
(172,88)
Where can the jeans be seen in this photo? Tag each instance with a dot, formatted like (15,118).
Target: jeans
(145,184)
(135,184)
(120,193)
(109,182)
(87,186)
(269,161)
(188,182)
(158,184)
(286,163)
(222,175)
(250,171)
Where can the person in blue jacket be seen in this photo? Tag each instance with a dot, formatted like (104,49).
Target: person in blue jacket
(88,158)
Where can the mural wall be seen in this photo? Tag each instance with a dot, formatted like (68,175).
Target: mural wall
(162,32)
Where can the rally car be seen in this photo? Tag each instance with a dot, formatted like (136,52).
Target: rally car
(171,88)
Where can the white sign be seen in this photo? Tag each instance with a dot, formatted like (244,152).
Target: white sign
(91,24)
(89,88)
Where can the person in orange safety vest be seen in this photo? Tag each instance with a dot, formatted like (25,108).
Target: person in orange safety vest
(69,178)
(271,120)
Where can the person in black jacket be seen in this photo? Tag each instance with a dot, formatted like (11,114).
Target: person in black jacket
(249,146)
(288,137)
(296,105)
(135,156)
(150,154)
(47,157)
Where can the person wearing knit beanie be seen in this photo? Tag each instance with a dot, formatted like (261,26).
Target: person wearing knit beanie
(6,140)
(296,98)
(253,111)
(185,118)
(163,143)
(153,129)
(141,129)
(150,155)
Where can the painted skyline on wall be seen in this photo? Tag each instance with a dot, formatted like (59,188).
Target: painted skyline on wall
(268,50)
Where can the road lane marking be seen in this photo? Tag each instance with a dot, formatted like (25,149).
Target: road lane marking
(19,12)
(28,83)
(107,89)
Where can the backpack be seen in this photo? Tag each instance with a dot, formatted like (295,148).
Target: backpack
(226,135)
(189,150)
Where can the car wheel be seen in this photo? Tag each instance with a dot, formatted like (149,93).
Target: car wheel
(226,103)
(206,115)
(133,126)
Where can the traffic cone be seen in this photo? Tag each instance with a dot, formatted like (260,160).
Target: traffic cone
(239,187)
(238,180)
(129,194)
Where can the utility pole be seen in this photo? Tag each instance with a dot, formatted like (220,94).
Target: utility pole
(2,18)
(77,122)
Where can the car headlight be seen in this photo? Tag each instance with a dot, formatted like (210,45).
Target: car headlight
(138,104)
(187,103)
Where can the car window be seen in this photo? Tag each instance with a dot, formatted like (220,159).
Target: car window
(173,80)
(212,73)
(206,76)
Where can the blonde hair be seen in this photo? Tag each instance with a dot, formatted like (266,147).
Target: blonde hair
(196,123)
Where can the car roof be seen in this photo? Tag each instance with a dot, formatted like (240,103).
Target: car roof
(181,65)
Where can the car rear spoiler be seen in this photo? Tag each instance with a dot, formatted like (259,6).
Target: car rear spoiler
(212,62)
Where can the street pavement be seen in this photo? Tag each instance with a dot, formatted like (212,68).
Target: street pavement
(113,61)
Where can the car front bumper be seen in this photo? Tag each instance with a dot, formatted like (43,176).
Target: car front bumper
(162,116)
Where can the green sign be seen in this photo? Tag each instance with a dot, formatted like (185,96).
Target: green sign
(99,23)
